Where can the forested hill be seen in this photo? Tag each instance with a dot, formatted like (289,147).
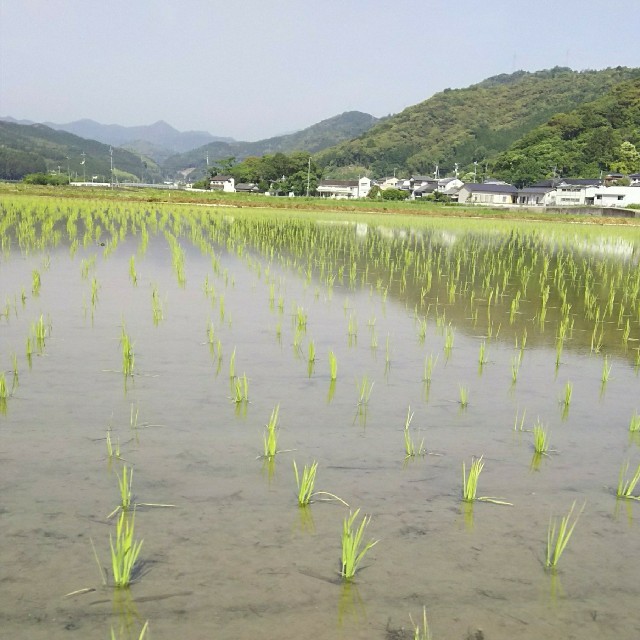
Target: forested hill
(312,139)
(600,136)
(473,124)
(36,148)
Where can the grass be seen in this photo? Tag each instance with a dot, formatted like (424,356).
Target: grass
(124,551)
(606,370)
(634,424)
(627,487)
(353,548)
(558,535)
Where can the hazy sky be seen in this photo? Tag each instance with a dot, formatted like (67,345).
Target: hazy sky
(251,69)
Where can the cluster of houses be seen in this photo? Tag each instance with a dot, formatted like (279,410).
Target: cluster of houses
(557,192)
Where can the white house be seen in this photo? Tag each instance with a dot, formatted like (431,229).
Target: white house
(616,196)
(223,183)
(344,189)
(573,192)
(487,194)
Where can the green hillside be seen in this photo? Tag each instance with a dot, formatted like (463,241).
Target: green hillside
(34,148)
(472,124)
(312,139)
(600,136)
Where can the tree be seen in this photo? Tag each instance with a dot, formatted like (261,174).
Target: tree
(628,159)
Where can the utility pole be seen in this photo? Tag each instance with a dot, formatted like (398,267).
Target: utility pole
(475,170)
(308,175)
(84,170)
(111,154)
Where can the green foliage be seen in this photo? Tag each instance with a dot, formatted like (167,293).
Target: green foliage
(394,194)
(475,123)
(601,135)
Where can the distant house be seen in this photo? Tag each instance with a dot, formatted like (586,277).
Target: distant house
(247,187)
(222,183)
(634,178)
(616,196)
(533,196)
(344,189)
(487,194)
(574,192)
(389,183)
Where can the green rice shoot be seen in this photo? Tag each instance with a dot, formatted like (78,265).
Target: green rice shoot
(558,535)
(353,548)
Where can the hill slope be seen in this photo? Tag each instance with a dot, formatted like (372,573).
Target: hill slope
(312,139)
(476,123)
(51,150)
(600,136)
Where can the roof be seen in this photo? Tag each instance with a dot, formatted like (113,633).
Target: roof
(489,188)
(221,178)
(535,189)
(580,182)
(338,183)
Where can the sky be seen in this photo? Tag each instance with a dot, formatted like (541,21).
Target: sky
(252,69)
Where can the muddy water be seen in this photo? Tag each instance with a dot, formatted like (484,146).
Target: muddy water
(235,557)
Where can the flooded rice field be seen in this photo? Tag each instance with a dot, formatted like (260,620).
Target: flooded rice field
(163,367)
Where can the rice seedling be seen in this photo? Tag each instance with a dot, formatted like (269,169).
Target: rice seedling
(306,482)
(156,306)
(353,549)
(232,365)
(568,392)
(482,359)
(143,632)
(606,370)
(113,452)
(311,356)
(301,317)
(270,438)
(559,534)
(409,446)
(124,551)
(35,283)
(470,483)
(515,366)
(464,397)
(133,276)
(364,390)
(448,340)
(540,439)
(128,355)
(429,364)
(634,424)
(241,389)
(519,426)
(125,487)
(424,632)
(627,487)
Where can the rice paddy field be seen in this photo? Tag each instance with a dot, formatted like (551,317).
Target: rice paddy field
(469,390)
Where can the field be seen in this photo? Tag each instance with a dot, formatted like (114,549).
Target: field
(163,365)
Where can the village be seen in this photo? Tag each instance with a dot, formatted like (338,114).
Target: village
(611,190)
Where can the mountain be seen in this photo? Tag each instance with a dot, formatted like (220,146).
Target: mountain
(472,124)
(37,147)
(312,139)
(158,140)
(599,136)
